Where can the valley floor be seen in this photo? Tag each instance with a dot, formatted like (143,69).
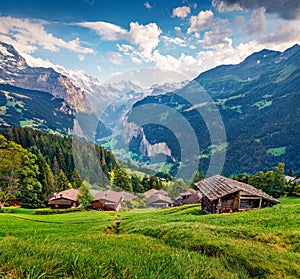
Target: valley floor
(171,243)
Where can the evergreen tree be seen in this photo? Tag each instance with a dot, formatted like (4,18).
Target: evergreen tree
(45,177)
(61,182)
(279,182)
(85,197)
(145,183)
(121,180)
(137,185)
(76,180)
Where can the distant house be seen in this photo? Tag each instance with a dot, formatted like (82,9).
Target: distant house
(127,196)
(189,197)
(151,192)
(107,200)
(64,199)
(289,178)
(158,201)
(221,194)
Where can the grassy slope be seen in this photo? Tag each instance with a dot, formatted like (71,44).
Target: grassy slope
(171,243)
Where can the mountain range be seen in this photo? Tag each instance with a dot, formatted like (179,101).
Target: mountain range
(259,103)
(257,100)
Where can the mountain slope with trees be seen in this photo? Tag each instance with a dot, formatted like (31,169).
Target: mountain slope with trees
(259,103)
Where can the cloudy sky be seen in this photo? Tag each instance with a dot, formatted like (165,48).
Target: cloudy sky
(105,37)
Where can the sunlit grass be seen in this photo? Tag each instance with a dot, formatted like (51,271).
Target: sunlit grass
(171,243)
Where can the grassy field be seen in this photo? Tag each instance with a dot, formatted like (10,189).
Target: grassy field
(171,243)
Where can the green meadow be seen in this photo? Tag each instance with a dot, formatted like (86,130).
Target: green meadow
(178,242)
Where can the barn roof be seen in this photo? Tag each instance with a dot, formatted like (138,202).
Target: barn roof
(158,197)
(151,192)
(109,195)
(218,186)
(70,194)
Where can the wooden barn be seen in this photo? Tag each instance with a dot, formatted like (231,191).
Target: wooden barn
(224,195)
(64,199)
(108,200)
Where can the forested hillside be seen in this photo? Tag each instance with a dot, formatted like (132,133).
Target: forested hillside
(45,162)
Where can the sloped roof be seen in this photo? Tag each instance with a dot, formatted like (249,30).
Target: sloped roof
(289,178)
(127,195)
(108,195)
(70,194)
(158,197)
(218,186)
(151,192)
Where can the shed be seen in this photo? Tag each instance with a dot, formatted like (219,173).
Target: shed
(107,200)
(64,199)
(221,194)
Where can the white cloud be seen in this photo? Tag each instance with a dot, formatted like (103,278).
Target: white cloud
(258,23)
(81,57)
(99,69)
(115,57)
(148,5)
(285,35)
(218,37)
(146,37)
(125,48)
(27,35)
(136,60)
(197,35)
(181,12)
(200,22)
(178,31)
(176,41)
(108,31)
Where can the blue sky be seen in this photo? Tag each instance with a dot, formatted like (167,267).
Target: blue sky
(103,38)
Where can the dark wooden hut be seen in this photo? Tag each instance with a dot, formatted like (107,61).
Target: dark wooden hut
(223,195)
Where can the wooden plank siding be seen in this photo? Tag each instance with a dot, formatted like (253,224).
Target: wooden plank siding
(224,195)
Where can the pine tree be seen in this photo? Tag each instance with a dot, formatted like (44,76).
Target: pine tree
(62,182)
(279,182)
(121,180)
(45,177)
(76,180)
(137,186)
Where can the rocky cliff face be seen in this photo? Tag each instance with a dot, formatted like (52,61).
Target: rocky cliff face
(15,71)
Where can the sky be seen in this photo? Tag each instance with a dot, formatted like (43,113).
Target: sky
(104,38)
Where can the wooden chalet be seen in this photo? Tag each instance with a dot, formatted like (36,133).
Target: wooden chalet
(189,197)
(107,200)
(64,199)
(224,195)
(158,201)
